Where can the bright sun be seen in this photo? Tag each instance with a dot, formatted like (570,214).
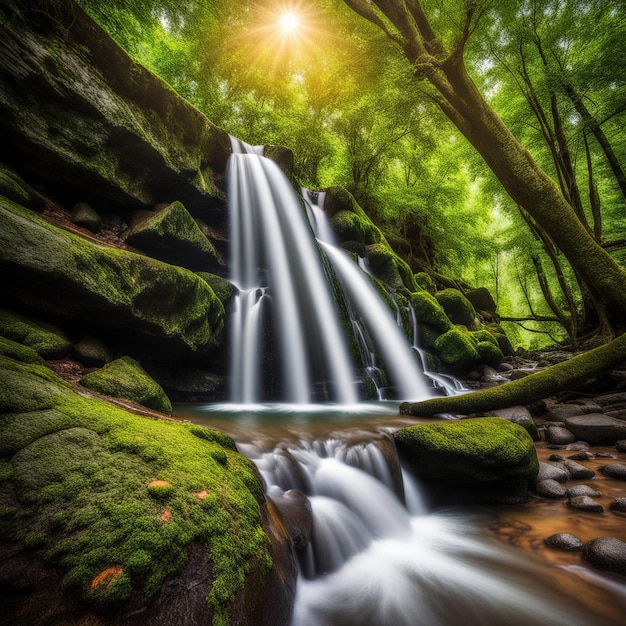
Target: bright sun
(289,22)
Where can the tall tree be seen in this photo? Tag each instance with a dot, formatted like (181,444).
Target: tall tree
(442,67)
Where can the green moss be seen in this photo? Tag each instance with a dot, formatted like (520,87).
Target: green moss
(425,281)
(478,450)
(429,311)
(455,348)
(457,307)
(19,352)
(489,353)
(47,340)
(383,264)
(84,499)
(12,186)
(222,288)
(125,378)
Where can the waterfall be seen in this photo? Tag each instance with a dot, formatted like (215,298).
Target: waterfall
(373,560)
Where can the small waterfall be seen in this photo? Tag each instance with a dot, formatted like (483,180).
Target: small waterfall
(372,560)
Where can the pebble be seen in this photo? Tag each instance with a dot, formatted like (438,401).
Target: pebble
(583,455)
(576,470)
(550,489)
(565,541)
(577,445)
(582,490)
(559,436)
(585,503)
(551,472)
(614,470)
(607,553)
(619,505)
(556,457)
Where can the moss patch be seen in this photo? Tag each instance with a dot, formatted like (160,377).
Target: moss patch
(47,340)
(429,311)
(457,307)
(478,450)
(125,378)
(81,468)
(19,352)
(223,288)
(456,348)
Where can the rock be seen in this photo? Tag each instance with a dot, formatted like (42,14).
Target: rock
(585,503)
(455,348)
(19,352)
(12,186)
(92,352)
(223,288)
(172,235)
(481,299)
(144,300)
(84,215)
(296,515)
(551,472)
(94,120)
(596,428)
(612,400)
(556,457)
(588,405)
(45,339)
(619,505)
(559,436)
(583,455)
(282,156)
(429,311)
(125,378)
(487,451)
(549,489)
(577,445)
(614,470)
(582,490)
(559,412)
(564,541)
(576,470)
(457,307)
(606,553)
(520,415)
(621,445)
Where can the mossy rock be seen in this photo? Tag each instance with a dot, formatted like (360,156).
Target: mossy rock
(47,340)
(75,478)
(382,264)
(349,226)
(456,349)
(469,451)
(489,352)
(426,282)
(481,299)
(172,235)
(19,352)
(222,288)
(125,378)
(12,186)
(484,335)
(282,156)
(457,307)
(429,311)
(142,299)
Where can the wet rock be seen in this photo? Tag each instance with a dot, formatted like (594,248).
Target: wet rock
(296,515)
(550,489)
(582,490)
(83,215)
(520,415)
(577,445)
(596,428)
(621,445)
(614,470)
(559,412)
(585,503)
(619,505)
(559,436)
(576,470)
(565,541)
(583,455)
(588,405)
(603,455)
(606,553)
(619,414)
(91,351)
(556,457)
(612,401)
(551,472)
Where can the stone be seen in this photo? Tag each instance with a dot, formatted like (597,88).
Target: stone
(556,457)
(296,515)
(172,235)
(621,445)
(564,541)
(583,455)
(612,400)
(92,351)
(547,471)
(596,428)
(559,412)
(457,307)
(576,470)
(481,299)
(614,470)
(520,415)
(12,186)
(549,489)
(559,436)
(83,215)
(577,445)
(582,490)
(585,503)
(125,378)
(606,553)
(619,505)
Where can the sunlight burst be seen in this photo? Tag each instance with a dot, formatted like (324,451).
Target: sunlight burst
(289,22)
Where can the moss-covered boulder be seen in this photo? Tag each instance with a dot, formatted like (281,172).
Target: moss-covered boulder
(222,288)
(62,274)
(173,236)
(429,311)
(491,453)
(45,339)
(426,282)
(282,156)
(19,352)
(12,186)
(125,378)
(456,349)
(89,540)
(458,308)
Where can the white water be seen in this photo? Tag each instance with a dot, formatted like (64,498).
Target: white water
(372,561)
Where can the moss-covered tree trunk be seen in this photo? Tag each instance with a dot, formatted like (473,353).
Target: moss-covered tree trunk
(407,24)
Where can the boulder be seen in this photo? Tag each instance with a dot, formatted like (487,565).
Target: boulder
(596,428)
(520,415)
(92,351)
(481,299)
(547,471)
(457,307)
(582,490)
(64,275)
(576,470)
(456,349)
(125,378)
(564,541)
(606,553)
(558,435)
(83,215)
(429,311)
(486,452)
(585,503)
(172,235)
(550,489)
(614,470)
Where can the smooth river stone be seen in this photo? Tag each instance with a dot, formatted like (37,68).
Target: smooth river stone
(550,489)
(614,470)
(582,490)
(559,436)
(607,553)
(585,503)
(619,505)
(548,471)
(596,428)
(565,541)
(576,470)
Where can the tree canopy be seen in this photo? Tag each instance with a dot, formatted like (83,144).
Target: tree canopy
(483,137)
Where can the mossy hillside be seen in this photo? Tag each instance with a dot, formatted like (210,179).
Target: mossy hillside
(457,307)
(47,340)
(63,274)
(75,473)
(19,352)
(172,235)
(476,450)
(125,378)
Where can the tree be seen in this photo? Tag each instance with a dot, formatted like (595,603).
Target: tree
(442,68)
